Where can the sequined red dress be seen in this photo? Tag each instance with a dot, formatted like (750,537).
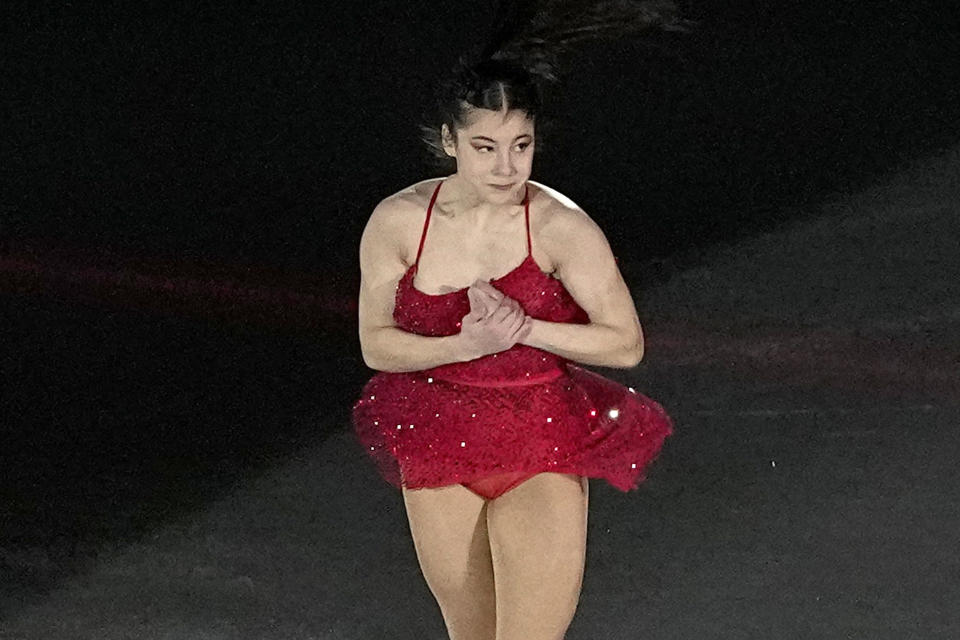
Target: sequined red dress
(492,422)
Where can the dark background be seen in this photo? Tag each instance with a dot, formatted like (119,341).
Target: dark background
(260,138)
(266,134)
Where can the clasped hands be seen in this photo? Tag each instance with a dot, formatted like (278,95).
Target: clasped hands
(495,323)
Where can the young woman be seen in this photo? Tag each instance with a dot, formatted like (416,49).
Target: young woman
(478,292)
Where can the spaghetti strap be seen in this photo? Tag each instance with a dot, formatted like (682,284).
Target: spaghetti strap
(426,222)
(526,208)
(483,423)
(436,192)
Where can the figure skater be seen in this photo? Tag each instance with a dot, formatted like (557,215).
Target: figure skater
(479,290)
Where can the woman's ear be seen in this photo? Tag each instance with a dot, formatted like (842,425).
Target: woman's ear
(449,145)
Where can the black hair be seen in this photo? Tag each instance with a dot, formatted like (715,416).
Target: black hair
(521,57)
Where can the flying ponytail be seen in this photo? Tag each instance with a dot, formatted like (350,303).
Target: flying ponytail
(533,34)
(521,56)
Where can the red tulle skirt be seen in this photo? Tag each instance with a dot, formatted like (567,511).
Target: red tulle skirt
(422,431)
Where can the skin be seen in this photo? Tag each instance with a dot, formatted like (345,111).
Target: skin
(477,235)
(497,148)
(512,567)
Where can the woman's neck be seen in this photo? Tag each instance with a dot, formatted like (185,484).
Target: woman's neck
(459,199)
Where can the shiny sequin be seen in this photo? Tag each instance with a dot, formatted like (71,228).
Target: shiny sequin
(523,409)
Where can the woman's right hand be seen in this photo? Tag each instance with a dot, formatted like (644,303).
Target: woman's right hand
(493,325)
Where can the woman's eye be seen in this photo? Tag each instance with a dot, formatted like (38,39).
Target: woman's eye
(522,145)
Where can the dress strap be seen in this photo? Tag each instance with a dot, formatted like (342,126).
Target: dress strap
(526,208)
(426,222)
(436,192)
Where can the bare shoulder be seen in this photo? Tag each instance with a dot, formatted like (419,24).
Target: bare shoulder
(562,222)
(417,194)
(394,210)
(399,217)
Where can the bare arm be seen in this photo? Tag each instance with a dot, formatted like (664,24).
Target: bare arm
(385,347)
(587,268)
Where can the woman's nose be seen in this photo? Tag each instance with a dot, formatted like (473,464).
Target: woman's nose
(504,165)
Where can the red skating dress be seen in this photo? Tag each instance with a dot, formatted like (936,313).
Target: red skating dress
(494,421)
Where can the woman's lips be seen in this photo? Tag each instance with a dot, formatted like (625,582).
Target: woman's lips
(502,188)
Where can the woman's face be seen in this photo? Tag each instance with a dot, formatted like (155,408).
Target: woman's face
(496,148)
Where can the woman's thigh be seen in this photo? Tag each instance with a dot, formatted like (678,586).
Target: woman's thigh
(538,534)
(449,530)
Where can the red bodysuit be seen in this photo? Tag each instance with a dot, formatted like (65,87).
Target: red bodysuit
(494,421)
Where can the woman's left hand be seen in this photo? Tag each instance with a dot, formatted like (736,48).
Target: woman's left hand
(491,292)
(496,298)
